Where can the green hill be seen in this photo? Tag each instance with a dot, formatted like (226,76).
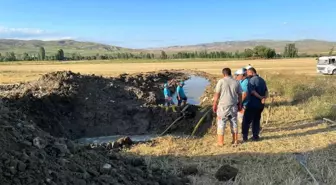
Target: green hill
(51,47)
(91,48)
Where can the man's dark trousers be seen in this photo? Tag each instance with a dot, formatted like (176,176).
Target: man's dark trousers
(251,115)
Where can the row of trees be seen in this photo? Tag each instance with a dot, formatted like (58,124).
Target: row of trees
(11,56)
(290,51)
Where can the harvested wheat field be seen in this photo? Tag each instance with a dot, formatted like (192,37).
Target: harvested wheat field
(45,118)
(12,72)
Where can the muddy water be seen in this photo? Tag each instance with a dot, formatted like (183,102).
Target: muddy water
(106,139)
(134,138)
(194,88)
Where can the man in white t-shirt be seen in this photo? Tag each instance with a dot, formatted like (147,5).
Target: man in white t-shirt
(226,104)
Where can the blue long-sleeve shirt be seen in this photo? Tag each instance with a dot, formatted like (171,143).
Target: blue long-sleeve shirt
(166,92)
(180,92)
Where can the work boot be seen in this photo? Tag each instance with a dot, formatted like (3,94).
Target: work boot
(220,140)
(235,139)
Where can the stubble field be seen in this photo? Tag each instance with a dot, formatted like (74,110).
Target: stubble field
(12,72)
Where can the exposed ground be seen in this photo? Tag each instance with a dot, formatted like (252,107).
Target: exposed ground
(39,119)
(52,104)
(30,156)
(295,126)
(71,105)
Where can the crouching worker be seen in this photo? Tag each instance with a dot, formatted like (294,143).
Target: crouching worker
(181,97)
(167,95)
(227,102)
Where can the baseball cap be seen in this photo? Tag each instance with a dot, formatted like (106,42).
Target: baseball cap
(165,85)
(240,71)
(248,67)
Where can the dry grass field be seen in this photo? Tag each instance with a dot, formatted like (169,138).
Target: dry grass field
(26,71)
(295,126)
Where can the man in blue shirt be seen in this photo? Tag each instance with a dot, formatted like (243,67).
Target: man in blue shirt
(257,94)
(181,97)
(243,81)
(167,95)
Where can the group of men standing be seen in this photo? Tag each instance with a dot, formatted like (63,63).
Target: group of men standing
(180,94)
(242,97)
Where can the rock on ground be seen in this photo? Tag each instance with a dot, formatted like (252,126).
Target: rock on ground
(190,170)
(226,173)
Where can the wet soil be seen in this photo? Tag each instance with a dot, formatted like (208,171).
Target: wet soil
(74,106)
(31,156)
(40,119)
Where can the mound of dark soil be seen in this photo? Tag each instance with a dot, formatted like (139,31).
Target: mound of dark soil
(71,105)
(30,156)
(39,119)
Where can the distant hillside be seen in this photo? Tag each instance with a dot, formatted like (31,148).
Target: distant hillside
(69,46)
(304,46)
(91,48)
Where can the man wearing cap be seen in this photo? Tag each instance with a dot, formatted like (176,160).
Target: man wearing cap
(227,101)
(243,81)
(248,67)
(167,95)
(257,94)
(181,97)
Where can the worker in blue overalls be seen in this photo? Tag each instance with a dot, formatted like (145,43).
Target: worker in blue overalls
(181,97)
(167,95)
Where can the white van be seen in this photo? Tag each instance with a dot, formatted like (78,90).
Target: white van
(326,65)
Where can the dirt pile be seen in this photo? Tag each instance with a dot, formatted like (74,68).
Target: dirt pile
(71,105)
(31,156)
(39,119)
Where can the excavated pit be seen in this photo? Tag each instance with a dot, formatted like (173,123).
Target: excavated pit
(75,106)
(194,88)
(40,120)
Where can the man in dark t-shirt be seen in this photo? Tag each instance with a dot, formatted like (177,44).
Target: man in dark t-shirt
(257,94)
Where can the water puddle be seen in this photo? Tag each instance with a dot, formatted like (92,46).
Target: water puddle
(106,139)
(134,138)
(194,88)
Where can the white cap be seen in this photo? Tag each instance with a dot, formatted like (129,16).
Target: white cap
(239,72)
(248,67)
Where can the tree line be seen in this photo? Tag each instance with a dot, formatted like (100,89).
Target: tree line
(290,51)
